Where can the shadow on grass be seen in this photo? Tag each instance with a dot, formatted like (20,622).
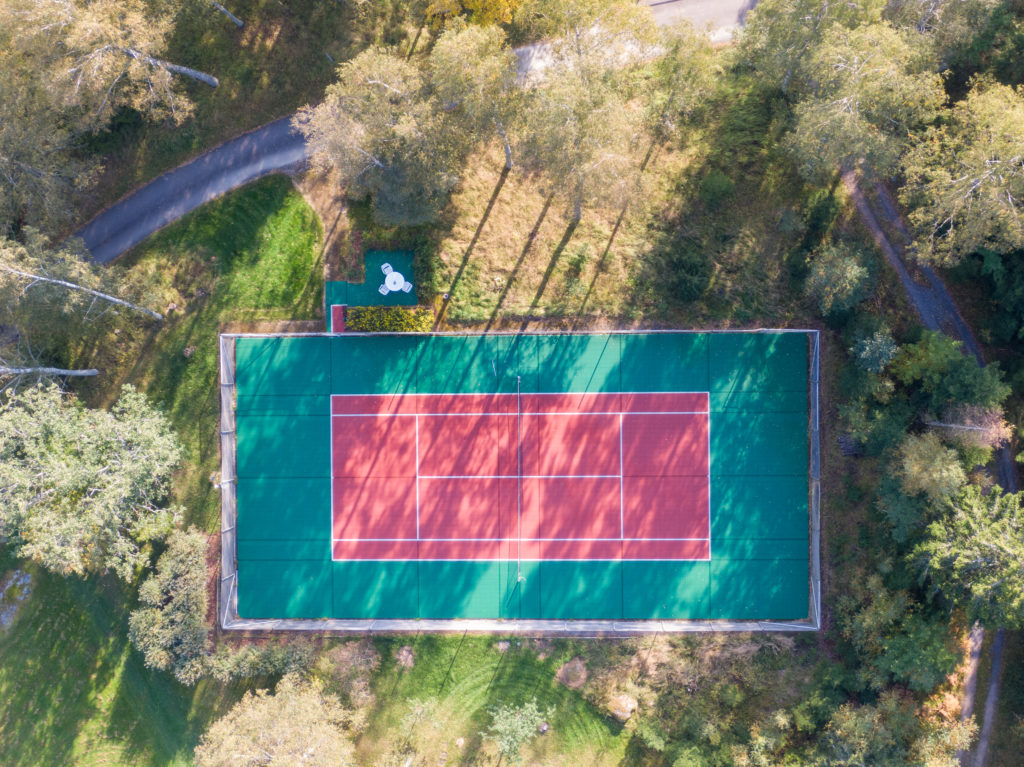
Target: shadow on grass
(519,262)
(472,244)
(555,255)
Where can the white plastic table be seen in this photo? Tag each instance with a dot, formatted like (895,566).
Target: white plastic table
(394,280)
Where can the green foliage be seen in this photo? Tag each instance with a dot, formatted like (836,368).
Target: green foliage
(1001,277)
(170,628)
(946,376)
(890,734)
(54,319)
(80,489)
(906,514)
(297,725)
(389,319)
(973,555)
(893,642)
(838,278)
(716,188)
(874,352)
(229,663)
(512,727)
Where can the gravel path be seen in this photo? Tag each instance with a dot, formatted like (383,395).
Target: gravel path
(276,147)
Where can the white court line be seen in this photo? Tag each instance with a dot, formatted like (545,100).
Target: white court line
(524,476)
(622,503)
(509,415)
(418,478)
(620,476)
(500,540)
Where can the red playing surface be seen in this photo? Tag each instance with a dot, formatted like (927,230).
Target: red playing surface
(569,476)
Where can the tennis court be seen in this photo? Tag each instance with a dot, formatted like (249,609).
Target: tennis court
(551,477)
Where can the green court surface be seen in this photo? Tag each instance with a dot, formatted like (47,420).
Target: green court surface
(366,293)
(758,392)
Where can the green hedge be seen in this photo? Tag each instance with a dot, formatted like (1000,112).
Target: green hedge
(378,319)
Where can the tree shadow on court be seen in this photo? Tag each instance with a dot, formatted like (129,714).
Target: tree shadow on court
(519,262)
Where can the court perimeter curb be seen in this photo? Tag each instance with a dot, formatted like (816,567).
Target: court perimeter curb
(227,593)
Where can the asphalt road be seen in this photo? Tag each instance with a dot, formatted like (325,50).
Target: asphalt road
(275,147)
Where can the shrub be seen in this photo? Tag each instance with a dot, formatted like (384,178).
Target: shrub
(687,268)
(170,628)
(390,319)
(228,664)
(716,188)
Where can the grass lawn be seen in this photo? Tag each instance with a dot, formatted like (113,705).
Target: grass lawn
(459,679)
(276,63)
(72,689)
(252,255)
(74,692)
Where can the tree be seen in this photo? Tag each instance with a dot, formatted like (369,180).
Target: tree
(872,86)
(39,171)
(965,178)
(683,77)
(297,725)
(388,138)
(580,129)
(838,279)
(974,556)
(99,55)
(929,467)
(874,353)
(946,376)
(170,628)
(229,663)
(55,301)
(474,72)
(779,34)
(893,641)
(80,489)
(514,726)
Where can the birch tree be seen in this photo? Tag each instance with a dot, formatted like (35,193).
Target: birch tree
(872,88)
(82,490)
(56,301)
(474,72)
(388,137)
(779,35)
(581,129)
(39,171)
(965,178)
(975,556)
(99,55)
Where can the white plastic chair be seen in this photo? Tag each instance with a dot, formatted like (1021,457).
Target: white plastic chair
(383,289)
(407,287)
(386,268)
